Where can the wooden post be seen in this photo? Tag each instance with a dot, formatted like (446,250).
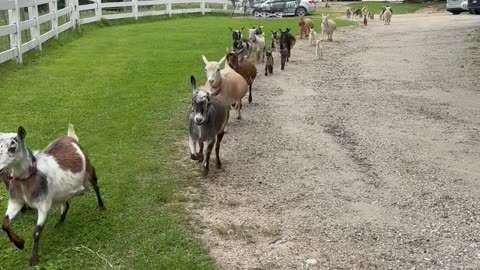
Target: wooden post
(16,38)
(76,13)
(36,29)
(52,7)
(98,10)
(202,7)
(169,9)
(225,5)
(135,9)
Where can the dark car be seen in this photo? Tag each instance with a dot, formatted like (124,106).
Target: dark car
(474,6)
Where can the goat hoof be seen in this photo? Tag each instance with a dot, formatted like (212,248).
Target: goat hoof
(33,260)
(102,208)
(193,156)
(205,173)
(219,165)
(20,244)
(200,158)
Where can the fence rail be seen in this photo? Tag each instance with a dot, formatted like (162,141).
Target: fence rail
(27,24)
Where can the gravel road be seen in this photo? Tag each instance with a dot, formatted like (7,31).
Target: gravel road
(366,159)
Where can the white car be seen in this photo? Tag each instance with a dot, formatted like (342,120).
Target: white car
(457,6)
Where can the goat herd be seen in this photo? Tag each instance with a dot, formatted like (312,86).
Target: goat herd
(226,87)
(53,176)
(385,14)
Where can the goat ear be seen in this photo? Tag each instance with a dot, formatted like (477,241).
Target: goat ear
(193,83)
(204,59)
(21,133)
(288,30)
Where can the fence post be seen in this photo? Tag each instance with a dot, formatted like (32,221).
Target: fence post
(169,9)
(35,31)
(225,5)
(98,10)
(76,13)
(202,7)
(16,38)
(135,9)
(52,6)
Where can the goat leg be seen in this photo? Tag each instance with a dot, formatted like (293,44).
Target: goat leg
(206,164)
(239,107)
(94,182)
(12,211)
(42,218)
(217,149)
(200,153)
(250,93)
(63,210)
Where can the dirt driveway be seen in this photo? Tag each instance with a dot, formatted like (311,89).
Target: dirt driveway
(366,159)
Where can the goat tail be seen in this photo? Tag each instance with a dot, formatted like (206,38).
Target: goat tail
(71,132)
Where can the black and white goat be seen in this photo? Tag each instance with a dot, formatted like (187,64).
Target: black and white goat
(208,117)
(43,179)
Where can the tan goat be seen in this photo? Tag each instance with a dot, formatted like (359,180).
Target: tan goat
(225,83)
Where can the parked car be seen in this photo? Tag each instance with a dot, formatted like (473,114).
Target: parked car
(457,6)
(287,7)
(474,6)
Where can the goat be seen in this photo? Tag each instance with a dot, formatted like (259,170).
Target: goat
(230,86)
(387,15)
(349,13)
(42,180)
(328,26)
(243,67)
(312,36)
(269,63)
(258,42)
(285,46)
(365,21)
(208,117)
(239,44)
(357,13)
(275,42)
(258,29)
(305,24)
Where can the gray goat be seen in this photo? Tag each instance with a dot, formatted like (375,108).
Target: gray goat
(208,117)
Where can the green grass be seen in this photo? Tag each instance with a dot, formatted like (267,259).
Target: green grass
(402,8)
(126,90)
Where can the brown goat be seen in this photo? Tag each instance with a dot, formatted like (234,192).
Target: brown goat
(243,67)
(305,24)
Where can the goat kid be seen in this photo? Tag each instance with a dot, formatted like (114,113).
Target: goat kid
(42,180)
(258,42)
(208,117)
(269,63)
(318,50)
(243,67)
(312,37)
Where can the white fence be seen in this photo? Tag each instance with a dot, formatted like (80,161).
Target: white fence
(26,24)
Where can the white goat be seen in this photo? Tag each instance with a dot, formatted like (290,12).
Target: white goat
(318,49)
(312,37)
(387,15)
(42,180)
(258,44)
(328,26)
(230,86)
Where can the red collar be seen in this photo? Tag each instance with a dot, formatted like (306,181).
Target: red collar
(33,171)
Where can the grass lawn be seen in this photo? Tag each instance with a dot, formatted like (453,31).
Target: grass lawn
(402,8)
(126,90)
